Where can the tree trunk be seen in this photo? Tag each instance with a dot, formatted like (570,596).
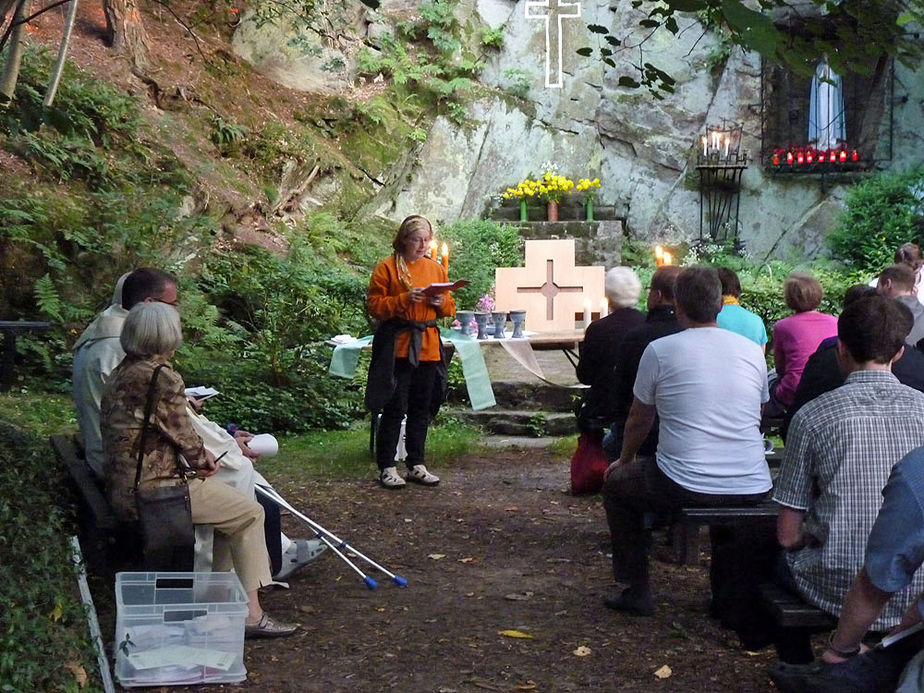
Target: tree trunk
(14,55)
(62,55)
(6,6)
(126,31)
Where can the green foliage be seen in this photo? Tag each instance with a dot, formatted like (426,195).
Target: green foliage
(427,58)
(441,24)
(518,82)
(537,425)
(267,353)
(44,639)
(226,136)
(479,246)
(70,140)
(852,34)
(493,38)
(881,213)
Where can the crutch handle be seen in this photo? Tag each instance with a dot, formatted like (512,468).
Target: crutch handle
(370,583)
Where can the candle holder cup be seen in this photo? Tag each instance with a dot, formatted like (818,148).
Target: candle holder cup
(465,318)
(500,324)
(481,319)
(518,318)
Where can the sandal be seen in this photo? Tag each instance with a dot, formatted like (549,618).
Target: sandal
(268,628)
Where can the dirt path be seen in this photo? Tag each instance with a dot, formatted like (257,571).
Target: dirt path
(497,546)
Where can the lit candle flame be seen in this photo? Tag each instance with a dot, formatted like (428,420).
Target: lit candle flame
(444,251)
(659,255)
(667,258)
(432,250)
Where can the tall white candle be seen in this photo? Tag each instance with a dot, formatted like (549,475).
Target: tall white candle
(727,140)
(604,307)
(586,313)
(705,142)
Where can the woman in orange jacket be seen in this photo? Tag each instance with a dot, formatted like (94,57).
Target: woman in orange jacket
(407,373)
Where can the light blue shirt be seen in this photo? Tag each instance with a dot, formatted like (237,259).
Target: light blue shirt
(742,321)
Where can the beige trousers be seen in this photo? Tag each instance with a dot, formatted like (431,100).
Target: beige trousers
(238,524)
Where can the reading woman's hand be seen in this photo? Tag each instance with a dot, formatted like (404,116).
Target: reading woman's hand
(416,294)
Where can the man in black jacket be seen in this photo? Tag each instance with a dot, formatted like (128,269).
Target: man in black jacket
(660,322)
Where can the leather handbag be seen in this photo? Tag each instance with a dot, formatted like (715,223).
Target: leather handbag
(164,512)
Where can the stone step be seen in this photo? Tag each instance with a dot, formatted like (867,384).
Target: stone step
(535,396)
(521,422)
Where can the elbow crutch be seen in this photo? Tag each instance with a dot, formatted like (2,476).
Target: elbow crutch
(334,542)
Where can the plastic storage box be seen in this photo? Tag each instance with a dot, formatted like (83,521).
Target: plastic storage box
(179,628)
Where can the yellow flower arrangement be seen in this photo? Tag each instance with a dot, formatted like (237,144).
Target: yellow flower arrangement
(525,188)
(553,187)
(549,187)
(587,186)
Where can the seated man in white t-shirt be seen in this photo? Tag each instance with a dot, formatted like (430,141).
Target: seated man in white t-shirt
(707,386)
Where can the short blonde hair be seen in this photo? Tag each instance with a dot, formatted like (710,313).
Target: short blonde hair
(622,287)
(152,328)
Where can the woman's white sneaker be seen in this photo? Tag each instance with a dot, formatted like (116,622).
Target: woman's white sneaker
(419,474)
(389,478)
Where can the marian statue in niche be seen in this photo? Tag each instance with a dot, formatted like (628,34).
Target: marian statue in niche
(826,127)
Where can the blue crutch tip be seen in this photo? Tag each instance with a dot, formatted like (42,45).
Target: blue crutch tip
(400,581)
(370,583)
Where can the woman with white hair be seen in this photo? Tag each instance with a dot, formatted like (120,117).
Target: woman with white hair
(601,346)
(149,337)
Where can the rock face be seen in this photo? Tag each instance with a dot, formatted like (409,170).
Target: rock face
(642,149)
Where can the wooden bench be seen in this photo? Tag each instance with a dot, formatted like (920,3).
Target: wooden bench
(107,543)
(685,532)
(70,454)
(796,621)
(11,329)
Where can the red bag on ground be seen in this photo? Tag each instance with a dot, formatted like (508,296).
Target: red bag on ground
(588,463)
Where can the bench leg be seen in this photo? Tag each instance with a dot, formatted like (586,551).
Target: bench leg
(794,645)
(685,541)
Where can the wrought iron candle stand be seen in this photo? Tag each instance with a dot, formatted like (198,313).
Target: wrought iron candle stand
(720,163)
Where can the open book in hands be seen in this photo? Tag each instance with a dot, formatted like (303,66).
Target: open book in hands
(201,392)
(442,287)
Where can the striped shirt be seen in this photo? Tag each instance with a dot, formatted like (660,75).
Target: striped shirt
(839,453)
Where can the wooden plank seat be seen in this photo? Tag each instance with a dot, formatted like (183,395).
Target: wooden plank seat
(108,544)
(70,455)
(685,531)
(795,622)
(789,611)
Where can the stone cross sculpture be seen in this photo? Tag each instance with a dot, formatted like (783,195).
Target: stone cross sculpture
(546,10)
(550,287)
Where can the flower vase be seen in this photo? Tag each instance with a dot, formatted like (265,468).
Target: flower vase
(465,318)
(552,211)
(518,318)
(500,323)
(481,319)
(589,209)
(524,216)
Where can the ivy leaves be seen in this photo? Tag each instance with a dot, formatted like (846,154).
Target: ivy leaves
(853,34)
